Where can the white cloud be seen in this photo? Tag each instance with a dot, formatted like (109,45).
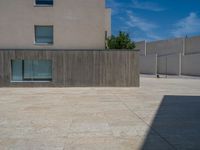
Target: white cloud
(147,6)
(130,22)
(188,25)
(140,23)
(135,22)
(120,6)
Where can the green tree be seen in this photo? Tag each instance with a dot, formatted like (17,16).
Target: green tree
(121,41)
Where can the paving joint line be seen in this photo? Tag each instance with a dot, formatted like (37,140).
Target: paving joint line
(150,127)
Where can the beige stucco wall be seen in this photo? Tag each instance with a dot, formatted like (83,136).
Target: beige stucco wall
(78,24)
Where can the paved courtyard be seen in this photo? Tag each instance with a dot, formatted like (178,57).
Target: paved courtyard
(163,114)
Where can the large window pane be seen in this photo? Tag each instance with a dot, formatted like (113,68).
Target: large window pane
(44,34)
(42,69)
(28,70)
(44,2)
(31,70)
(16,70)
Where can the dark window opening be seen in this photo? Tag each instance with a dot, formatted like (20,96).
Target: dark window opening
(44,2)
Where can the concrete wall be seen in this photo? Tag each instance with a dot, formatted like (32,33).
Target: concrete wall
(190,65)
(165,47)
(77,68)
(169,64)
(141,46)
(78,24)
(192,45)
(148,64)
(170,59)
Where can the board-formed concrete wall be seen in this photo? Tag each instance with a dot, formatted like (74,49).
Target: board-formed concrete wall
(148,64)
(169,64)
(141,46)
(77,68)
(192,45)
(190,65)
(165,47)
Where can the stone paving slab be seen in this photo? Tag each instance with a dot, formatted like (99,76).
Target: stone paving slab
(163,114)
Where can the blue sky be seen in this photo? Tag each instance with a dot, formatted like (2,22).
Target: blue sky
(155,19)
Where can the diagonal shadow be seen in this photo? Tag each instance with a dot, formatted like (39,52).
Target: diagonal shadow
(176,125)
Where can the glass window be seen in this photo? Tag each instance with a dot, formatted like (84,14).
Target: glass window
(44,2)
(31,70)
(28,70)
(16,70)
(44,34)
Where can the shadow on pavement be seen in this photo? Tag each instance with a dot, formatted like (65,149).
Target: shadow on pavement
(176,125)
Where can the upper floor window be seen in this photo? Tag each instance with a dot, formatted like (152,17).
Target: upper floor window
(44,2)
(44,34)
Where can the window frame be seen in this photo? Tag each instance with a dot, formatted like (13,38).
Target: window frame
(37,43)
(43,5)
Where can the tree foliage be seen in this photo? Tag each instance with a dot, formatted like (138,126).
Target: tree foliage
(121,41)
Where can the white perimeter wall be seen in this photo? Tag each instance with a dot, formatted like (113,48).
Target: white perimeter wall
(169,56)
(191,65)
(141,46)
(148,64)
(169,64)
(165,47)
(192,45)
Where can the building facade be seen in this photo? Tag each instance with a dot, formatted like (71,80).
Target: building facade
(61,43)
(54,24)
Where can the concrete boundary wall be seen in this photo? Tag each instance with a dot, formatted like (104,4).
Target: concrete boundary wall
(190,65)
(192,45)
(169,65)
(142,47)
(165,47)
(185,46)
(148,64)
(176,64)
(180,56)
